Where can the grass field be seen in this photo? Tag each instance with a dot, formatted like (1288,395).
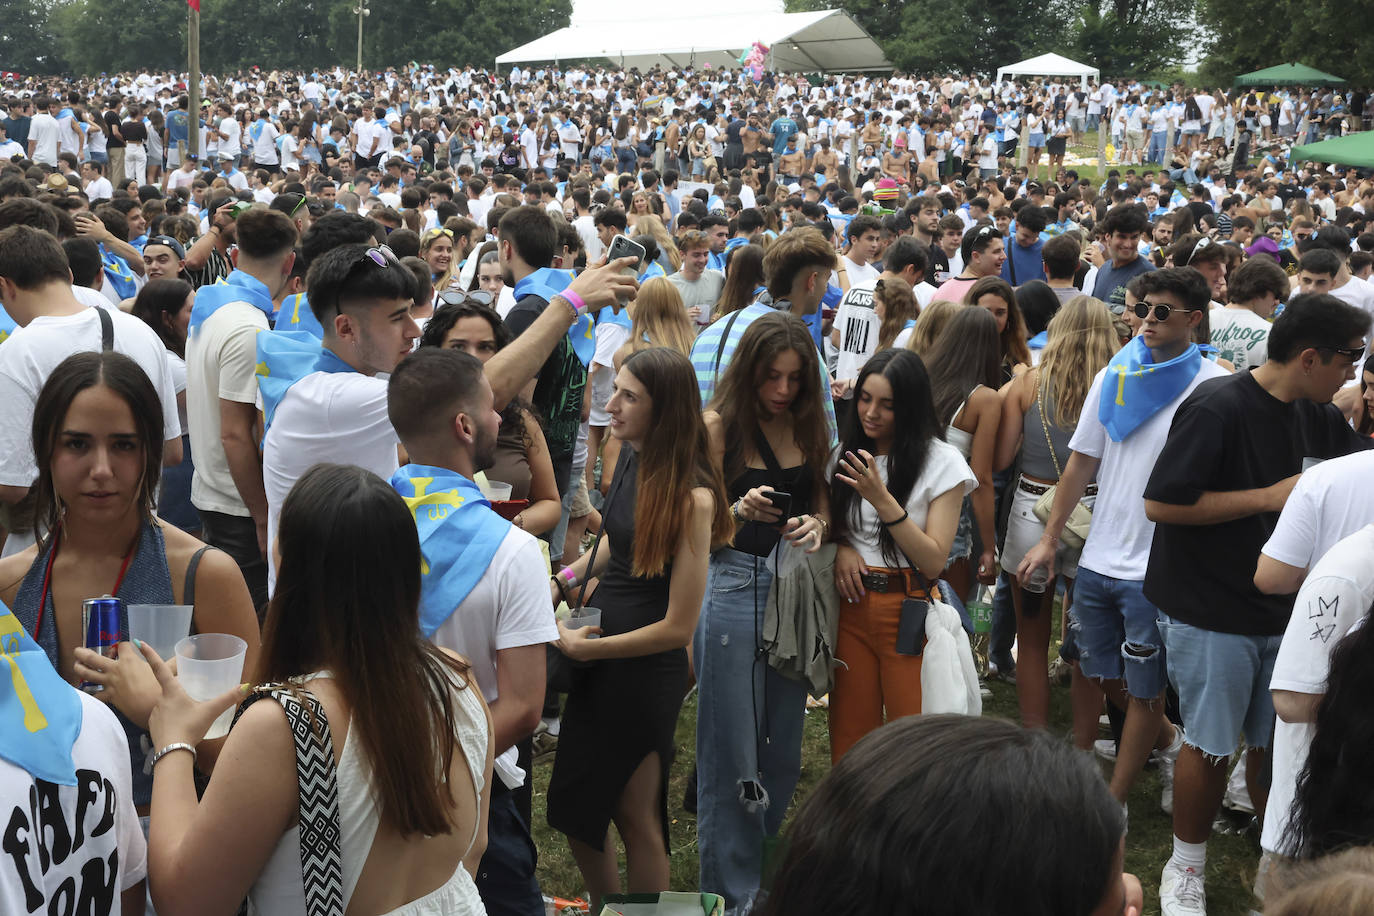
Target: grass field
(1231,859)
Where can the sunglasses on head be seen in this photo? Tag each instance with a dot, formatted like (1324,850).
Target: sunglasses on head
(1161,310)
(455,297)
(381,255)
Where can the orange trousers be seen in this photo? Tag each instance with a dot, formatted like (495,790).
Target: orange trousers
(874,678)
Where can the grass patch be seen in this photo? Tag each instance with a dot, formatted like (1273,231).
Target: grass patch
(1231,859)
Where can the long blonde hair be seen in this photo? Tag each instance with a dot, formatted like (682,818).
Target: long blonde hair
(660,319)
(929,324)
(1081,341)
(649,224)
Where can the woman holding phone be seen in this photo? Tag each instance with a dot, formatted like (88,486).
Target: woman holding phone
(767,431)
(895,496)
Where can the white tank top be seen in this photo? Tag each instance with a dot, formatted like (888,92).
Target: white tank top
(279,891)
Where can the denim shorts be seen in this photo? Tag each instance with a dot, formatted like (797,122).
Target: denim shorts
(1222,681)
(1112,617)
(962,545)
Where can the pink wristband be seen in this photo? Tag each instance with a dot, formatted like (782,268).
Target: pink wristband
(566,574)
(576,301)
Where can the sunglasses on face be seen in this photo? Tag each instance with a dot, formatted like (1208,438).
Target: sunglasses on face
(1354,353)
(1161,310)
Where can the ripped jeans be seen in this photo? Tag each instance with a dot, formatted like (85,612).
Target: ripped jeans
(1117,631)
(749,730)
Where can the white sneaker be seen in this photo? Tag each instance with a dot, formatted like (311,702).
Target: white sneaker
(1105,748)
(1181,892)
(1166,759)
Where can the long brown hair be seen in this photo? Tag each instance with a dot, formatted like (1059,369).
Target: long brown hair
(899,307)
(737,399)
(929,325)
(1014,347)
(348,601)
(743,275)
(674,458)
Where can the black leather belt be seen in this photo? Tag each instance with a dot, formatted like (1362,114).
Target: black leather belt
(1040,489)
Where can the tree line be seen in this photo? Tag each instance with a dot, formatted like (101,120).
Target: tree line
(1129,38)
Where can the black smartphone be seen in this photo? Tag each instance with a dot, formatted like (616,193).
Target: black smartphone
(911,627)
(782,502)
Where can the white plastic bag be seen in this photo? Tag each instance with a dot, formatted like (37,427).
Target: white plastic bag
(949,681)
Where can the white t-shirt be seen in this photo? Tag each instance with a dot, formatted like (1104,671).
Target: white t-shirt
(231,146)
(1335,598)
(43,136)
(30,355)
(859,274)
(945,470)
(1357,292)
(1240,336)
(1118,543)
(586,230)
(98,825)
(265,145)
(222,360)
(858,324)
(99,189)
(610,337)
(508,608)
(326,416)
(1329,502)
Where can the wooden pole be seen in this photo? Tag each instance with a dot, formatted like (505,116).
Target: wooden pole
(193,79)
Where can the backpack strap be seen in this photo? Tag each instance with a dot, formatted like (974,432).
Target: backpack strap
(106,330)
(318,787)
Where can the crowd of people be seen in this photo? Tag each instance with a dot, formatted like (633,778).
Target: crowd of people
(495,413)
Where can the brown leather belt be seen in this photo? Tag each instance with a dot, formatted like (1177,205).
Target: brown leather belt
(895,581)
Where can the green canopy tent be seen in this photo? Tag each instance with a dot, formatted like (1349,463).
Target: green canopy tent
(1354,149)
(1289,75)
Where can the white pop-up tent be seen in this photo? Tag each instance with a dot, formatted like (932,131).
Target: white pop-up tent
(1049,65)
(823,40)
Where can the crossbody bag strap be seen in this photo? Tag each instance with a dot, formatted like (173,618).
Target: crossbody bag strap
(188,590)
(318,790)
(1041,385)
(720,348)
(602,534)
(106,330)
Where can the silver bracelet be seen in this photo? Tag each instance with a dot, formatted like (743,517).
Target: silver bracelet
(178,746)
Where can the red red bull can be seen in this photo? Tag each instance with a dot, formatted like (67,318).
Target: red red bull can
(100,623)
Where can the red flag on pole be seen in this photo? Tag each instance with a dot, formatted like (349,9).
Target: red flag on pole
(194,4)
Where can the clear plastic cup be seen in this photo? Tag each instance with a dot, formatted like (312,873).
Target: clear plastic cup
(161,626)
(496,491)
(585,617)
(207,665)
(1035,583)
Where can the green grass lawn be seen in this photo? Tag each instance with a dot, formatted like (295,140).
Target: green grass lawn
(1231,859)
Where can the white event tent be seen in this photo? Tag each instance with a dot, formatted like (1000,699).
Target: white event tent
(823,40)
(1049,65)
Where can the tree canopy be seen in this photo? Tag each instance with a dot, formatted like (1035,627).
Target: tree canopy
(103,36)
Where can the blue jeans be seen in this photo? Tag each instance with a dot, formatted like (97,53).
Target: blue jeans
(1158,147)
(749,730)
(1093,119)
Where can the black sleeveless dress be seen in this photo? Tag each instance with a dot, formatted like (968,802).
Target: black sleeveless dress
(619,710)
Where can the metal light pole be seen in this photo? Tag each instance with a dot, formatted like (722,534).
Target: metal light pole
(362,11)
